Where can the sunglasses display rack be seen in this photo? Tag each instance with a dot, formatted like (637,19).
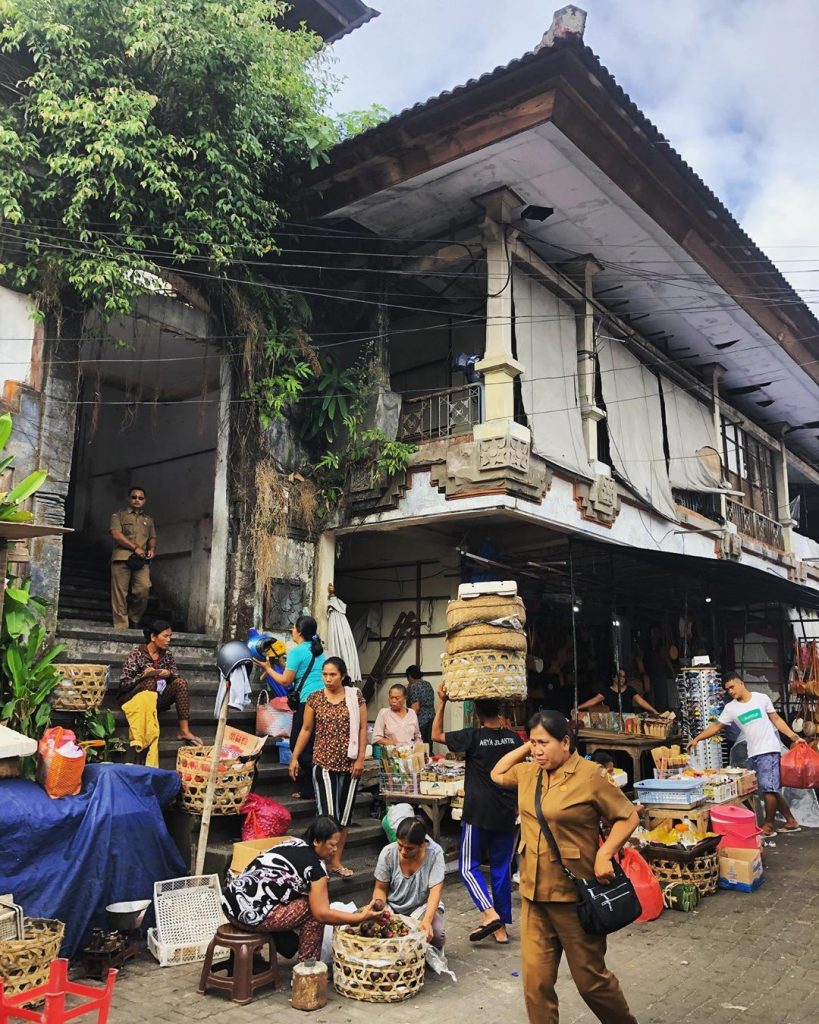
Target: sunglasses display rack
(701,700)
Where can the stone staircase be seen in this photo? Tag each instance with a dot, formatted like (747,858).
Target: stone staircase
(88,641)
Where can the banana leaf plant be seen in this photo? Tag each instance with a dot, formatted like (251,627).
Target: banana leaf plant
(10,501)
(27,672)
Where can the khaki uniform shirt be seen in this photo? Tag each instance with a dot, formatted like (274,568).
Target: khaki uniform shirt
(579,794)
(137,527)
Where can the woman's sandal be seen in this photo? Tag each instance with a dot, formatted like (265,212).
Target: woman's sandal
(486,930)
(342,872)
(785,829)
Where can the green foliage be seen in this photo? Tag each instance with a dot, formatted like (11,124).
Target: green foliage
(152,133)
(10,511)
(100,728)
(28,673)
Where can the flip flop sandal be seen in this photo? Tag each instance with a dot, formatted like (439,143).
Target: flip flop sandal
(485,930)
(785,829)
(343,873)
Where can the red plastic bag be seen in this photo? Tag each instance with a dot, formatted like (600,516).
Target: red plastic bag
(645,884)
(264,818)
(799,768)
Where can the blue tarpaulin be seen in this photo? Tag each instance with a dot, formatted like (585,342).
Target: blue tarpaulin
(70,858)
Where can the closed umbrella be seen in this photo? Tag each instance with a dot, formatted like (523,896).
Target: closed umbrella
(340,642)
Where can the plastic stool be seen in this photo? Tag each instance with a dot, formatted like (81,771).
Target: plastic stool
(242,983)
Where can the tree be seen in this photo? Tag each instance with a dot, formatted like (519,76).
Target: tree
(150,135)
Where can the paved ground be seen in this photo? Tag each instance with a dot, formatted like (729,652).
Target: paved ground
(752,959)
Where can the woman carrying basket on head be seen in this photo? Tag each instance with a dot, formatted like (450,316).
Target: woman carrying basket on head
(335,719)
(302,673)
(574,795)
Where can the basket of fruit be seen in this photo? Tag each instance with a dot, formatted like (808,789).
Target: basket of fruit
(380,961)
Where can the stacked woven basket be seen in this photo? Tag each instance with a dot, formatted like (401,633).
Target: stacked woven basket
(486,646)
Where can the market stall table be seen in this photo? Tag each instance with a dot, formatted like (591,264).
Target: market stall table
(436,804)
(634,746)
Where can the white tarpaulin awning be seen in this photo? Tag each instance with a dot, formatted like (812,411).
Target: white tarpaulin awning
(545,331)
(631,394)
(340,642)
(692,444)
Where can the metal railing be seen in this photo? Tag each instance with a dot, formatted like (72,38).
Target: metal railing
(754,524)
(702,503)
(441,413)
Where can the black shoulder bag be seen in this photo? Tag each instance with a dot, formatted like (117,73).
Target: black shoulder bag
(294,695)
(603,907)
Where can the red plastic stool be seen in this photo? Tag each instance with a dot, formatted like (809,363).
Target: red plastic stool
(54,992)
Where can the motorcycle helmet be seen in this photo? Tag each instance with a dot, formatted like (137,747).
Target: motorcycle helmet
(259,643)
(231,655)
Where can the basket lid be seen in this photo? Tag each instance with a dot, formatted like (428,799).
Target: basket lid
(15,744)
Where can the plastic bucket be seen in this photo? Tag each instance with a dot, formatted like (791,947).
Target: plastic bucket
(737,826)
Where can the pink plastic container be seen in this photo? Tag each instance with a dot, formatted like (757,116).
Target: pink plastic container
(737,826)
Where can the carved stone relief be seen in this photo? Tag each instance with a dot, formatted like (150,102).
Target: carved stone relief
(599,500)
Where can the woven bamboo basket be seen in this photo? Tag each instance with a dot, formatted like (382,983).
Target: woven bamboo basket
(481,609)
(9,767)
(233,783)
(482,637)
(24,963)
(485,675)
(82,687)
(659,728)
(379,970)
(702,871)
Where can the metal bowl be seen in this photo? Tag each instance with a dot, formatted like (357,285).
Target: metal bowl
(127,917)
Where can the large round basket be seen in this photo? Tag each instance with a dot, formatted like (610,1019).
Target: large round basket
(702,871)
(485,675)
(482,637)
(24,963)
(379,970)
(483,609)
(233,781)
(81,687)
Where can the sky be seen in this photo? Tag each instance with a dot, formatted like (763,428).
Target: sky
(733,85)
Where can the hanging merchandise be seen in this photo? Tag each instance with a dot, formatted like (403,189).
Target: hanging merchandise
(701,700)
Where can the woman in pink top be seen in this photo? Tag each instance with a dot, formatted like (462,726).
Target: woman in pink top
(397,723)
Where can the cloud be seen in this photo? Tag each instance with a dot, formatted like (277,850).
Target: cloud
(732,86)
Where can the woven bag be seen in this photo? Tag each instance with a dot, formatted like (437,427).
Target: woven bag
(485,675)
(482,637)
(490,606)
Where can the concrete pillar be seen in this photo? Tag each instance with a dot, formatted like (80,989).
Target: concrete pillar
(590,412)
(717,370)
(324,574)
(783,495)
(498,432)
(217,575)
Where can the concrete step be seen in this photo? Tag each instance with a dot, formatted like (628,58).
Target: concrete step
(91,631)
(90,641)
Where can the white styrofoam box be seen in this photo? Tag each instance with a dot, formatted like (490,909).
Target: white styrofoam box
(507,588)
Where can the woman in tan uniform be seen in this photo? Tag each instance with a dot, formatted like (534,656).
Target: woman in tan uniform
(576,795)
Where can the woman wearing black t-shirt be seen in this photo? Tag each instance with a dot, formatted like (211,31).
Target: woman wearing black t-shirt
(488,826)
(619,692)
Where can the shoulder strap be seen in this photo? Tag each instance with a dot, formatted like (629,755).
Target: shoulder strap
(544,825)
(298,685)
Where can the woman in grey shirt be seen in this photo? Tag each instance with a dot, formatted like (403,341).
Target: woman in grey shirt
(409,877)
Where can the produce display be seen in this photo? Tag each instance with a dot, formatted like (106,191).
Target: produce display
(384,927)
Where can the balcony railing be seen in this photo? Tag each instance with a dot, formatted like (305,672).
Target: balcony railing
(441,414)
(755,525)
(703,504)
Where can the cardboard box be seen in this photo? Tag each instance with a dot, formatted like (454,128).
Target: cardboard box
(244,853)
(740,870)
(240,744)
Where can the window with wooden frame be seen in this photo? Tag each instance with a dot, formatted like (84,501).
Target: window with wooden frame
(750,467)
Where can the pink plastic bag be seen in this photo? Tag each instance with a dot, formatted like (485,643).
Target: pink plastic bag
(264,818)
(645,884)
(799,768)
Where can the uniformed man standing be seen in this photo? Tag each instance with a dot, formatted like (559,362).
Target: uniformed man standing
(134,537)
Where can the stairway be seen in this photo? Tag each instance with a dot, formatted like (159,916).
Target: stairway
(85,586)
(88,641)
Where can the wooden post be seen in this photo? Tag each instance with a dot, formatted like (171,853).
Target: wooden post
(204,828)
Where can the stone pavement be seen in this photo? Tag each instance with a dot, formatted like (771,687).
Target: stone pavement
(738,959)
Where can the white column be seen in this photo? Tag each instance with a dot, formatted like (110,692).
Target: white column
(215,608)
(324,574)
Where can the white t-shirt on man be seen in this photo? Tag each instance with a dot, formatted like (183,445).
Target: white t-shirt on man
(751,717)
